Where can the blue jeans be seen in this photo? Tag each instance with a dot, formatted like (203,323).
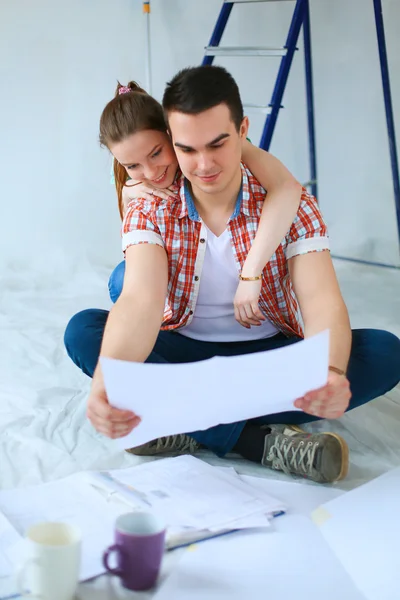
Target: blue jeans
(116,281)
(374,366)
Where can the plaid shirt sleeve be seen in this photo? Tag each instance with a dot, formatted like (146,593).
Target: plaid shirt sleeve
(140,226)
(308,232)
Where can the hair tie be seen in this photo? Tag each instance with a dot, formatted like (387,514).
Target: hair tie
(124,90)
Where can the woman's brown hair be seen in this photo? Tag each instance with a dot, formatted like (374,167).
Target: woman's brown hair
(131,110)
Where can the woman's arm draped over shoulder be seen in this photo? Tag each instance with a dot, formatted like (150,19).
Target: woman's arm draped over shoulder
(280,208)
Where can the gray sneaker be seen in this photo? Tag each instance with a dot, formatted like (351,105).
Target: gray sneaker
(171,444)
(321,457)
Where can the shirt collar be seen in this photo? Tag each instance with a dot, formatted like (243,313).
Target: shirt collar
(243,202)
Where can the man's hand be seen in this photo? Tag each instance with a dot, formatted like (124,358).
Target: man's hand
(328,402)
(109,421)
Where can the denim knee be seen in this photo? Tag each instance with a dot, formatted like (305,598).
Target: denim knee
(379,352)
(116,281)
(75,331)
(83,337)
(388,346)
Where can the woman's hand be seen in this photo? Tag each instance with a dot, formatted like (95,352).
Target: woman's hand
(247,311)
(132,191)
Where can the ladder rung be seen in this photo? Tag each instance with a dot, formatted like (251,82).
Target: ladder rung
(246,1)
(262,108)
(244,51)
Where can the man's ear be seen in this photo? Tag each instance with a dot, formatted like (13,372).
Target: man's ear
(167,123)
(244,127)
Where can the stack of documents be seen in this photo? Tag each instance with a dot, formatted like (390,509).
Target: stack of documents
(195,499)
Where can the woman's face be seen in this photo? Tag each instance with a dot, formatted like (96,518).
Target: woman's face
(148,157)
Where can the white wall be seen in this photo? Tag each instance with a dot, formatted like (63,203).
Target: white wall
(59,64)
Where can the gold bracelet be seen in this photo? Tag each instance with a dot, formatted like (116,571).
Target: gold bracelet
(336,370)
(256,278)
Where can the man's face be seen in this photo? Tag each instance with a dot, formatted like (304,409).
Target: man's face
(208,147)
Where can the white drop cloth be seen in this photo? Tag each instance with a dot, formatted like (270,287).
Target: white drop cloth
(43,430)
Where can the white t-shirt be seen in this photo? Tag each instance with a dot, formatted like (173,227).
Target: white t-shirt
(214,315)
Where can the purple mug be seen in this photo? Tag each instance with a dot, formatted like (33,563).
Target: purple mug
(139,547)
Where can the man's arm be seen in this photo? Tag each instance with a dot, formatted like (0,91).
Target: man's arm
(135,319)
(321,303)
(131,330)
(322,307)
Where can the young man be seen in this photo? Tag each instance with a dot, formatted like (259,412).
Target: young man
(183,259)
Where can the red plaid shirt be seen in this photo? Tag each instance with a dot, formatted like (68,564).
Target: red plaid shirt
(176,226)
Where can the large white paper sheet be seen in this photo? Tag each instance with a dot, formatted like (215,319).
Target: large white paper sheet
(180,398)
(363,529)
(290,561)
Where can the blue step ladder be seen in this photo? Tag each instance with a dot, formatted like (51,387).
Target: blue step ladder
(301,19)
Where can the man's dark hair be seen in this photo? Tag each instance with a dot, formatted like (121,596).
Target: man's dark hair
(196,89)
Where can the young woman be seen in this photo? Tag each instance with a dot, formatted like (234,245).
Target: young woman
(135,116)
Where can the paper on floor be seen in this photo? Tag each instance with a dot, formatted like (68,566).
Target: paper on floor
(191,496)
(70,500)
(300,498)
(9,538)
(290,561)
(179,398)
(363,529)
(186,491)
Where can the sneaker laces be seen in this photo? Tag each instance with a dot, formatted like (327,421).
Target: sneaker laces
(291,456)
(173,443)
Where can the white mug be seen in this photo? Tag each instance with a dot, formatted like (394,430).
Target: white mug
(51,571)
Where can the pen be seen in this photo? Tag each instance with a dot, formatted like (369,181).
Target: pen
(124,489)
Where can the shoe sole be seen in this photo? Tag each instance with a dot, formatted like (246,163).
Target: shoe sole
(166,454)
(345,456)
(147,453)
(296,428)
